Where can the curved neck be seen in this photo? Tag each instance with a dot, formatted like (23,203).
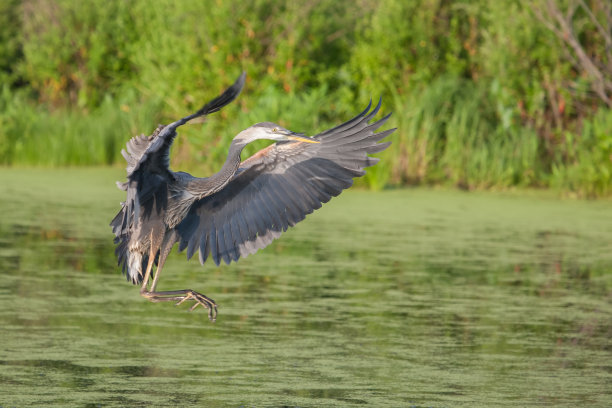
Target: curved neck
(206,186)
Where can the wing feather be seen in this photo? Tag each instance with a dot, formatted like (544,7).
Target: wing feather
(338,129)
(213,241)
(278,186)
(204,248)
(147,160)
(243,229)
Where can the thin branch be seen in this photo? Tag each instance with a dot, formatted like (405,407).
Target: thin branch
(561,26)
(605,34)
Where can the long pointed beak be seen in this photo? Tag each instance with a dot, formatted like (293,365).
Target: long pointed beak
(299,137)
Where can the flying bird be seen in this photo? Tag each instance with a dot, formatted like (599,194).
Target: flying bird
(240,209)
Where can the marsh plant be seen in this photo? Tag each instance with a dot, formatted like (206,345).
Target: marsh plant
(481,100)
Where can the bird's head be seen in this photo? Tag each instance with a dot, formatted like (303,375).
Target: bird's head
(271,131)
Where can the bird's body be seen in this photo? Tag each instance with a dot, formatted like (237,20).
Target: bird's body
(238,210)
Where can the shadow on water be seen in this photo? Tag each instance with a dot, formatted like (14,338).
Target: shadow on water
(404,298)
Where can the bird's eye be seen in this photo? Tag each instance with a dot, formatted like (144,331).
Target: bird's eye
(275,130)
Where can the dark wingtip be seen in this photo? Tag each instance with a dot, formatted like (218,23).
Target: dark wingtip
(367,109)
(226,97)
(240,81)
(375,111)
(233,91)
(214,105)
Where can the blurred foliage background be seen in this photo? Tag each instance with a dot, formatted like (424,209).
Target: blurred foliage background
(485,94)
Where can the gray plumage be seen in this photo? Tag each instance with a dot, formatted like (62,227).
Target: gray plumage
(243,207)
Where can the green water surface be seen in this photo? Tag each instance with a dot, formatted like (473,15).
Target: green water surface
(412,298)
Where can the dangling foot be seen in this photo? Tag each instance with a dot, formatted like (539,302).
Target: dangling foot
(203,300)
(182,296)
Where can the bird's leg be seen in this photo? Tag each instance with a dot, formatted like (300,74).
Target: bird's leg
(145,280)
(175,295)
(155,243)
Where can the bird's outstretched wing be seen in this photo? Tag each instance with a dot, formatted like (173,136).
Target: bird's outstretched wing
(153,151)
(277,187)
(148,160)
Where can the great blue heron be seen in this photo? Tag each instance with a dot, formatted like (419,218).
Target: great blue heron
(240,209)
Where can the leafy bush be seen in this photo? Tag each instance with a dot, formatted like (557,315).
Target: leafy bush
(484,94)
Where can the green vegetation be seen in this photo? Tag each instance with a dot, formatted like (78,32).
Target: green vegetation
(485,94)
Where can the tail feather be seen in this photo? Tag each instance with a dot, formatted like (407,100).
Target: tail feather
(135,266)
